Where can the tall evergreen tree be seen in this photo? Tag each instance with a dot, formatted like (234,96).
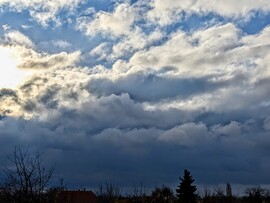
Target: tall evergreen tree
(186,191)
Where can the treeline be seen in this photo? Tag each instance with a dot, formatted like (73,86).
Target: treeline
(161,195)
(186,192)
(28,181)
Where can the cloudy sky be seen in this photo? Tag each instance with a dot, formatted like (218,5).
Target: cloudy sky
(135,91)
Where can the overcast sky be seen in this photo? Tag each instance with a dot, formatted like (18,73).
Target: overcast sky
(132,91)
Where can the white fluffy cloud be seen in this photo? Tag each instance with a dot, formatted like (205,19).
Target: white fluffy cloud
(42,11)
(117,23)
(23,52)
(33,60)
(204,52)
(17,38)
(167,12)
(19,61)
(120,27)
(27,58)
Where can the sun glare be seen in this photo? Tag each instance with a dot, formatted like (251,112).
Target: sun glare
(10,75)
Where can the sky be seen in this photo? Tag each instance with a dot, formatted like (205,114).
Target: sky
(135,91)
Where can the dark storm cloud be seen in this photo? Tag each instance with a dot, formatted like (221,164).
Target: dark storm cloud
(151,87)
(8,97)
(136,153)
(8,93)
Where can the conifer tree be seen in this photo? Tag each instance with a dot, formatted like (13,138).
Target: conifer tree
(186,191)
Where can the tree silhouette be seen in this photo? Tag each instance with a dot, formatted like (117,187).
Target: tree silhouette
(162,195)
(186,190)
(228,190)
(255,194)
(27,179)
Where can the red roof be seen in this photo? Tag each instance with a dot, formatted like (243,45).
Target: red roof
(76,197)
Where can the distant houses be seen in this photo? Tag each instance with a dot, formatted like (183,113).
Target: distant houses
(76,197)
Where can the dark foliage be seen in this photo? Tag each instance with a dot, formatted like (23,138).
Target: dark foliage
(162,195)
(108,193)
(255,195)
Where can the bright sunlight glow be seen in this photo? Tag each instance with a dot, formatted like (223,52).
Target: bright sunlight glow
(10,75)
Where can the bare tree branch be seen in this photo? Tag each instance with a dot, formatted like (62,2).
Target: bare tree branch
(26,180)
